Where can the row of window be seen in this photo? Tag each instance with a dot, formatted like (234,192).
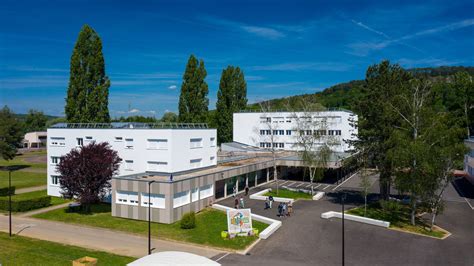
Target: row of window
(280,145)
(159,200)
(277,120)
(152,144)
(302,132)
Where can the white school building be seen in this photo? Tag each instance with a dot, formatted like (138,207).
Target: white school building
(280,129)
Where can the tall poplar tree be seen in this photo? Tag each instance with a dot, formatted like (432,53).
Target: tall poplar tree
(193,101)
(231,97)
(88,90)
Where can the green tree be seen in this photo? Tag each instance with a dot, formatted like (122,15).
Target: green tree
(35,121)
(169,117)
(193,100)
(88,90)
(11,133)
(376,120)
(231,97)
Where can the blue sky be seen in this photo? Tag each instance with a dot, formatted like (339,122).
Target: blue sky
(285,48)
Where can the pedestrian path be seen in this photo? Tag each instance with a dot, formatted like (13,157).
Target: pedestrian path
(116,242)
(42,210)
(29,189)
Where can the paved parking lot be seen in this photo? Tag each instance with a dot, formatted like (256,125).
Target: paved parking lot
(307,239)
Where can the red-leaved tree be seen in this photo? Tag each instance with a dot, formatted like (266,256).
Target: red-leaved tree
(86,172)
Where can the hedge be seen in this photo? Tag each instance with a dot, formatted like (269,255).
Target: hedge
(188,221)
(25,204)
(4,191)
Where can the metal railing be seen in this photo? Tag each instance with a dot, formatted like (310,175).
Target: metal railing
(294,111)
(132,125)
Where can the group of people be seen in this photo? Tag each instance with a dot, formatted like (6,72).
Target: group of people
(239,203)
(284,209)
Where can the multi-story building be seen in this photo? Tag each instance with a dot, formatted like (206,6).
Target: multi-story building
(156,148)
(280,129)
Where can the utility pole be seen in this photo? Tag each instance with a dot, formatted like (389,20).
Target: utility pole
(149,217)
(343,198)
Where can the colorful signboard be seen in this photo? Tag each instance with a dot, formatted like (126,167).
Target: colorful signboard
(239,221)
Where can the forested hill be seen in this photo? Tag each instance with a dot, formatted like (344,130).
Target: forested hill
(343,94)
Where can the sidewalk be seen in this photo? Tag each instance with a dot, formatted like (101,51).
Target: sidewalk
(96,238)
(30,189)
(47,209)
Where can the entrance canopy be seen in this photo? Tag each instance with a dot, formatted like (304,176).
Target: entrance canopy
(173,258)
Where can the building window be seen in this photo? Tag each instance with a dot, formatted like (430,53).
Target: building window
(206,191)
(55,180)
(180,199)
(275,145)
(212,159)
(58,141)
(262,132)
(320,132)
(129,165)
(281,145)
(275,132)
(194,194)
(156,200)
(88,138)
(156,166)
(269,132)
(334,132)
(213,142)
(126,197)
(55,160)
(309,132)
(288,132)
(80,142)
(157,144)
(195,163)
(195,143)
(338,132)
(262,144)
(119,139)
(269,145)
(129,143)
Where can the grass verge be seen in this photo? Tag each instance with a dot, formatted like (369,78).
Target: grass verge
(285,193)
(20,250)
(22,160)
(22,179)
(209,224)
(399,218)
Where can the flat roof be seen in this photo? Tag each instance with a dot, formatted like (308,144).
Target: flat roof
(131,125)
(332,109)
(242,161)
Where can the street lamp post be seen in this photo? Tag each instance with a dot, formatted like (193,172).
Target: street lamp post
(10,201)
(343,198)
(149,217)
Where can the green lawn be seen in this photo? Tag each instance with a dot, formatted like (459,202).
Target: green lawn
(22,179)
(20,160)
(399,219)
(20,250)
(285,193)
(37,194)
(209,224)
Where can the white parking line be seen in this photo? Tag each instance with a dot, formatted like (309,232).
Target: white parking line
(346,180)
(300,185)
(222,257)
(308,185)
(326,187)
(291,184)
(469,203)
(284,183)
(318,185)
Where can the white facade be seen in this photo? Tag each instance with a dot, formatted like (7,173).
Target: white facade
(280,128)
(165,150)
(35,139)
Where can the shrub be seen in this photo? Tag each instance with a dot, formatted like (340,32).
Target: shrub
(25,204)
(4,191)
(390,206)
(188,221)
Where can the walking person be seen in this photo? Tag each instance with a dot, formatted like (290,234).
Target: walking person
(267,204)
(270,199)
(236,203)
(283,211)
(234,191)
(246,190)
(280,209)
(242,205)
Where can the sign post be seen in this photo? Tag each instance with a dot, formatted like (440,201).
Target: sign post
(239,221)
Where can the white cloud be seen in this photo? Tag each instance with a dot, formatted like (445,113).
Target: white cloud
(265,32)
(172,87)
(406,62)
(134,111)
(360,24)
